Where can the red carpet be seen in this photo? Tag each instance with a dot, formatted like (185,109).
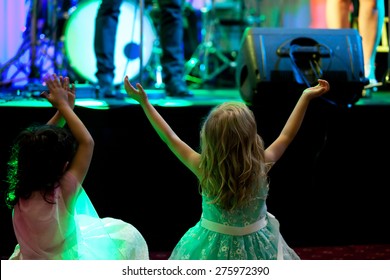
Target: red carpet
(352,252)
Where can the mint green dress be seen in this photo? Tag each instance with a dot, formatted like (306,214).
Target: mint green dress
(248,233)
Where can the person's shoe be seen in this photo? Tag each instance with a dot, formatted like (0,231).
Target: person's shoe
(177,90)
(120,96)
(110,93)
(104,91)
(105,85)
(371,88)
(373,85)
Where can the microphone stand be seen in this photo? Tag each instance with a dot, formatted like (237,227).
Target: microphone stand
(34,73)
(387,75)
(141,9)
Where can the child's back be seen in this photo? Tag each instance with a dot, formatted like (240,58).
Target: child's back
(51,231)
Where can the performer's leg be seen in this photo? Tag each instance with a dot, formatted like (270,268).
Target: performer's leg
(171,40)
(338,13)
(104,43)
(370,20)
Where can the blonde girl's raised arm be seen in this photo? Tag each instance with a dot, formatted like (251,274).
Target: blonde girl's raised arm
(182,151)
(294,122)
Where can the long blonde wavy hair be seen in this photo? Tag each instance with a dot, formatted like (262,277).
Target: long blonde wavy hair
(232,162)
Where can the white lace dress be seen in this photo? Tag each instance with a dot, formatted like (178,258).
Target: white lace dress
(248,233)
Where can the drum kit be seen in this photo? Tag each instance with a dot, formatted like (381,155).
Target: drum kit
(59,39)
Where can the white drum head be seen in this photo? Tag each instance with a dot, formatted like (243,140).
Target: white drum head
(79,40)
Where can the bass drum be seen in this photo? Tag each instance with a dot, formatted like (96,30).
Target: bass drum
(79,40)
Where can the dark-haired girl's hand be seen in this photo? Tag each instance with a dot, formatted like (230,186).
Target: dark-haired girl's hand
(56,94)
(70,88)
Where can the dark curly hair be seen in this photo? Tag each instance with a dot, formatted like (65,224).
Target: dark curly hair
(38,157)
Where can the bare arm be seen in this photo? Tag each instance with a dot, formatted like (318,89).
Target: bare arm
(58,119)
(58,97)
(290,129)
(183,152)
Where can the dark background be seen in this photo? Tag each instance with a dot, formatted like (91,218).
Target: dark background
(330,188)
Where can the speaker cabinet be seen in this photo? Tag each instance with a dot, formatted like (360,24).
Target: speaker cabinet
(279,63)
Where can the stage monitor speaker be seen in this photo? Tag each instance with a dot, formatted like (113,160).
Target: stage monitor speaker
(280,63)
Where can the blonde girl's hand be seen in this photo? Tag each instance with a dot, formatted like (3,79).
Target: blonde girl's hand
(318,90)
(138,93)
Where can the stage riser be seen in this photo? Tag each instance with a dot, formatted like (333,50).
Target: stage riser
(331,188)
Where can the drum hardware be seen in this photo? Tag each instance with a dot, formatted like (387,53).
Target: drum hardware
(154,67)
(208,61)
(38,54)
(190,41)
